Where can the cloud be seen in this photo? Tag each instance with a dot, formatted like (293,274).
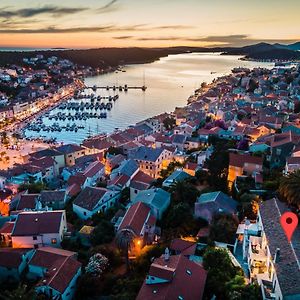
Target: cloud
(53,29)
(110,6)
(124,37)
(31,12)
(103,28)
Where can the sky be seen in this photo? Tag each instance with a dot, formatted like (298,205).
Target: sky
(145,23)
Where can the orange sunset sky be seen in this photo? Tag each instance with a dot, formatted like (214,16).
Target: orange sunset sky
(143,23)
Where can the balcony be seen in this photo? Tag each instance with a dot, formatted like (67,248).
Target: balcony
(267,289)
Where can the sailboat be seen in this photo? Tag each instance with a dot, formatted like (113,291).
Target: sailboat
(144,86)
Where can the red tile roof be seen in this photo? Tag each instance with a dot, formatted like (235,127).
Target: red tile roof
(93,169)
(135,217)
(239,160)
(7,228)
(183,247)
(186,279)
(11,258)
(27,201)
(61,266)
(35,223)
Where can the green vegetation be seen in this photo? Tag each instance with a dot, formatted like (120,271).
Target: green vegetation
(289,188)
(103,233)
(223,228)
(169,123)
(33,188)
(224,280)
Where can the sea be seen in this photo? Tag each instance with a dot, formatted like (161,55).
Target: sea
(170,81)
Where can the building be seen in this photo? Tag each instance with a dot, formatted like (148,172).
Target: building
(157,199)
(13,263)
(271,259)
(151,160)
(57,271)
(209,204)
(243,164)
(173,278)
(93,200)
(140,221)
(176,176)
(37,229)
(71,152)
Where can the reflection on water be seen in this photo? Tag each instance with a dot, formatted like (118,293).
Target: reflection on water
(170,82)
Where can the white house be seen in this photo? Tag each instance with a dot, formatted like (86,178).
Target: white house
(272,261)
(92,200)
(37,229)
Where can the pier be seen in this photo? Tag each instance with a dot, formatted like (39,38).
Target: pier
(117,88)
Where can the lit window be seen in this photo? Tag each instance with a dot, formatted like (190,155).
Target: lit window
(53,241)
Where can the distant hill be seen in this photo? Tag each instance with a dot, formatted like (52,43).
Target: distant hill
(268,51)
(294,46)
(104,57)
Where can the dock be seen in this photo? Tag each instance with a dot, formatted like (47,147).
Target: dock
(117,87)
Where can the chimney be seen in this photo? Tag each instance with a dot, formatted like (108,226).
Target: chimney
(277,256)
(167,254)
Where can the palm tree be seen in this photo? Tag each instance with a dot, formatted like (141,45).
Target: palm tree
(124,240)
(289,188)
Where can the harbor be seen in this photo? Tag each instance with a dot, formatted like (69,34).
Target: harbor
(94,109)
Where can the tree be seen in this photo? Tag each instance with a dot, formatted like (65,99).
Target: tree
(33,188)
(124,241)
(289,188)
(220,271)
(169,123)
(21,293)
(223,228)
(103,233)
(184,192)
(170,169)
(97,264)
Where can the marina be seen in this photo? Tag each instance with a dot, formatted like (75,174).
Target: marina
(96,109)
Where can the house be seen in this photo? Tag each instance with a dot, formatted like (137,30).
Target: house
(57,271)
(93,200)
(139,219)
(27,202)
(173,277)
(36,229)
(176,176)
(157,199)
(53,199)
(209,204)
(71,152)
(139,182)
(5,233)
(184,247)
(191,168)
(112,162)
(13,263)
(271,259)
(55,154)
(282,146)
(93,173)
(151,160)
(243,164)
(292,164)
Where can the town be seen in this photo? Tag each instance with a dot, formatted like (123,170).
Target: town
(182,205)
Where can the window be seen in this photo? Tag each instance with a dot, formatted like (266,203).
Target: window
(135,191)
(278,151)
(53,241)
(84,213)
(34,238)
